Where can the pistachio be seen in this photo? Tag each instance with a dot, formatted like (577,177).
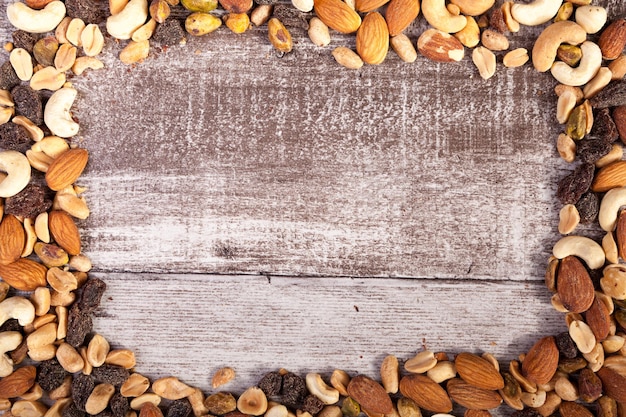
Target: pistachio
(238,22)
(576,127)
(565,12)
(159,10)
(279,35)
(199,23)
(51,255)
(199,5)
(570,54)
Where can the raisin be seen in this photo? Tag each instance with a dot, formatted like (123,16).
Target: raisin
(50,375)
(220,403)
(91,294)
(119,405)
(612,95)
(28,203)
(28,103)
(526,412)
(294,390)
(496,20)
(588,207)
(291,17)
(573,186)
(14,137)
(110,374)
(604,127)
(271,384)
(79,324)
(8,77)
(11,325)
(24,40)
(591,149)
(565,344)
(73,411)
(179,408)
(312,404)
(82,386)
(105,413)
(87,10)
(169,33)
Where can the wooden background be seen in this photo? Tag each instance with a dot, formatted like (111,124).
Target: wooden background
(260,211)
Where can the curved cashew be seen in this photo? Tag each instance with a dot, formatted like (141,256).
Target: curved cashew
(318,387)
(589,66)
(583,247)
(439,17)
(36,21)
(57,113)
(131,18)
(17,167)
(17,308)
(8,341)
(537,12)
(473,7)
(609,207)
(591,18)
(546,45)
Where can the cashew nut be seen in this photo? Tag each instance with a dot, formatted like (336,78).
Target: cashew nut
(131,18)
(583,247)
(16,165)
(8,341)
(591,18)
(473,7)
(439,17)
(36,21)
(609,207)
(537,12)
(318,387)
(57,113)
(588,67)
(547,43)
(17,308)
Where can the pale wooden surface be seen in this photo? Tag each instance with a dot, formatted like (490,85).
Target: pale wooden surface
(225,181)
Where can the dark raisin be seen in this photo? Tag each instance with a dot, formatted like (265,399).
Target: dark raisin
(14,137)
(294,390)
(119,405)
(291,17)
(87,10)
(271,384)
(604,127)
(496,20)
(8,77)
(526,412)
(50,375)
(73,411)
(110,374)
(590,149)
(589,386)
(82,386)
(588,207)
(79,324)
(28,103)
(105,413)
(24,40)
(565,344)
(28,203)
(573,186)
(11,325)
(91,294)
(179,408)
(312,404)
(612,95)
(169,33)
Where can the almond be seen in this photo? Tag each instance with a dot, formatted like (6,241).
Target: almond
(372,39)
(478,372)
(572,409)
(574,285)
(541,361)
(365,6)
(337,15)
(12,239)
(18,383)
(400,14)
(236,6)
(150,410)
(613,39)
(614,384)
(610,176)
(619,117)
(64,231)
(24,274)
(440,46)
(370,395)
(426,393)
(472,397)
(620,234)
(599,319)
(66,168)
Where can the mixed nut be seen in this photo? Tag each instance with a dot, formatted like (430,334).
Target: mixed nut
(73,372)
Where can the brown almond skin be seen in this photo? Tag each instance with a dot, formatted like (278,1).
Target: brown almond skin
(478,372)
(574,285)
(24,275)
(66,168)
(613,39)
(64,231)
(619,117)
(150,410)
(372,39)
(572,409)
(426,393)
(337,15)
(541,361)
(370,395)
(610,176)
(400,14)
(12,239)
(365,6)
(614,384)
(599,319)
(472,397)
(18,383)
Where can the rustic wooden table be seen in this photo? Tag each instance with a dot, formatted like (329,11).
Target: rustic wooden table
(260,211)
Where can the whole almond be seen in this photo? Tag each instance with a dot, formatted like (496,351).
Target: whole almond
(337,15)
(24,274)
(478,372)
(613,39)
(66,168)
(599,319)
(426,393)
(472,397)
(370,395)
(440,46)
(574,285)
(150,410)
(365,6)
(64,231)
(372,39)
(400,14)
(541,361)
(614,384)
(12,239)
(18,383)
(37,4)
(572,409)
(610,176)
(619,117)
